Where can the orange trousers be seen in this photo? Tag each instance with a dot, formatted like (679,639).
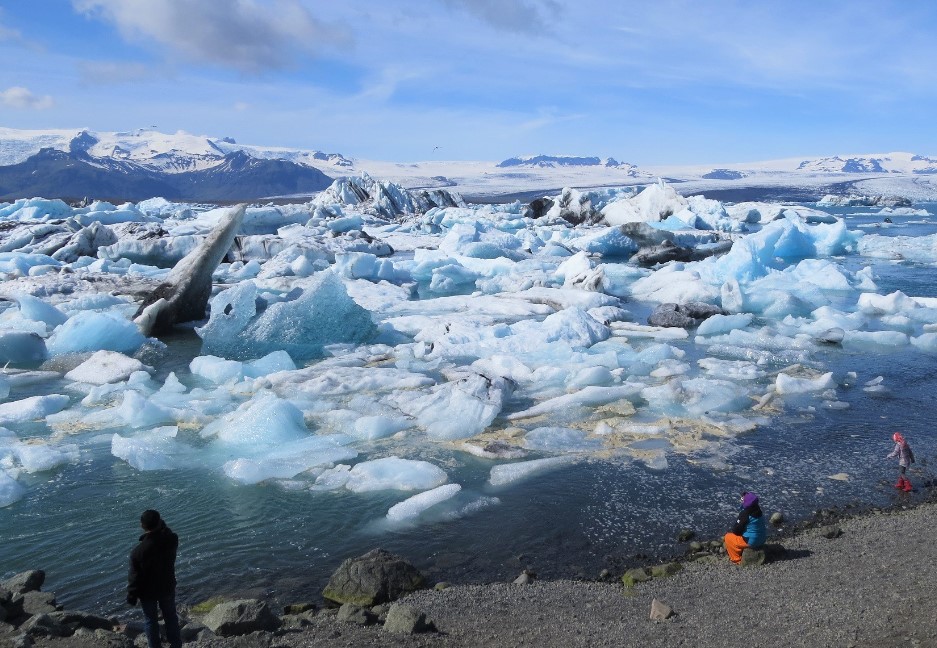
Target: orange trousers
(734,546)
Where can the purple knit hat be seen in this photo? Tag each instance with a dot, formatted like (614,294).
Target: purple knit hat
(748,499)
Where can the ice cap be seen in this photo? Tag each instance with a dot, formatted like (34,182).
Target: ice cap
(748,499)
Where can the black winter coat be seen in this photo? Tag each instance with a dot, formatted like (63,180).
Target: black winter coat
(153,564)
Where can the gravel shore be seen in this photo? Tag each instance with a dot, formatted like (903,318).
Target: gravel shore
(871,587)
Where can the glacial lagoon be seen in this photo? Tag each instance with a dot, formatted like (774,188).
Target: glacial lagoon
(663,462)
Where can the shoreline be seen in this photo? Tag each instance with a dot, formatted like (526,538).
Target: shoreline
(871,586)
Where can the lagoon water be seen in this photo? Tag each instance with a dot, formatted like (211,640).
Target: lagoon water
(601,511)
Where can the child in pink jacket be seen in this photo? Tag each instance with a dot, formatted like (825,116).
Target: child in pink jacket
(905,459)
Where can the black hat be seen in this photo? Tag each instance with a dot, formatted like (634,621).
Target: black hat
(150,519)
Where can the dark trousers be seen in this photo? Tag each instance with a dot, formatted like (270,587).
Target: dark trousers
(167,605)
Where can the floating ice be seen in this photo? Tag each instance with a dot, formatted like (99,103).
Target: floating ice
(731,369)
(560,439)
(586,397)
(394,473)
(32,408)
(10,490)
(263,421)
(786,384)
(91,331)
(149,450)
(718,324)
(37,456)
(105,367)
(378,427)
(135,411)
(412,507)
(21,348)
(317,312)
(505,474)
(477,399)
(36,309)
(288,460)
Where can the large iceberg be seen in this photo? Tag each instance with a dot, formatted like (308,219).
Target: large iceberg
(315,313)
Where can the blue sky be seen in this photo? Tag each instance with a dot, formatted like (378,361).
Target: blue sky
(657,82)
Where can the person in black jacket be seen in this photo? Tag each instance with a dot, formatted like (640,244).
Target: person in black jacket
(152,578)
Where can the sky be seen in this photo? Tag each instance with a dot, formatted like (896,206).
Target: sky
(648,82)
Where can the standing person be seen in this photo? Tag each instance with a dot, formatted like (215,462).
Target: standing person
(152,578)
(905,459)
(748,530)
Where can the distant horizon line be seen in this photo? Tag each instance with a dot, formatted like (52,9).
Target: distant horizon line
(620,159)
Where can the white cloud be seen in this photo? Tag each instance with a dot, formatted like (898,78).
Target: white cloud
(19,97)
(511,15)
(247,35)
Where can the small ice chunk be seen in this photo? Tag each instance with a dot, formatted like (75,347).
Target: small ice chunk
(560,439)
(20,347)
(394,473)
(926,342)
(105,367)
(149,450)
(10,490)
(786,384)
(289,459)
(591,376)
(588,397)
(332,478)
(258,424)
(509,473)
(92,331)
(412,507)
(32,408)
(719,324)
(34,308)
(217,370)
(40,457)
(378,427)
(477,399)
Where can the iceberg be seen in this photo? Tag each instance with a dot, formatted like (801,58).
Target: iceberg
(20,348)
(105,367)
(32,408)
(149,450)
(786,384)
(93,331)
(505,474)
(317,312)
(11,491)
(412,507)
(394,473)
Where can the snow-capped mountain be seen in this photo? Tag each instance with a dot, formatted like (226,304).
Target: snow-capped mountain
(556,161)
(884,163)
(170,153)
(145,163)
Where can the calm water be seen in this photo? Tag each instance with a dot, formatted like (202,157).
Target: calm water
(80,524)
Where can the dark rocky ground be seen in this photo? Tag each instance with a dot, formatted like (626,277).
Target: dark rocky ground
(873,587)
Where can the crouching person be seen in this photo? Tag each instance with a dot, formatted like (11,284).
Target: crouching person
(749,528)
